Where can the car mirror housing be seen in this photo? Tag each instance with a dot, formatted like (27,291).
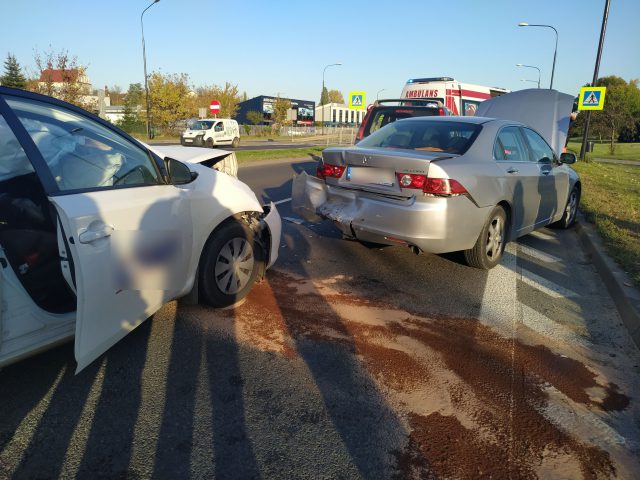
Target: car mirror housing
(179,173)
(568,158)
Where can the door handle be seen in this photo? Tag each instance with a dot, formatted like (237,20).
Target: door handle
(512,170)
(91,236)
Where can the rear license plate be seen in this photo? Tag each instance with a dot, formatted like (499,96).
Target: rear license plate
(370,176)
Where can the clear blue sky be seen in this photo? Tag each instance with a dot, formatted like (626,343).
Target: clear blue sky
(281,46)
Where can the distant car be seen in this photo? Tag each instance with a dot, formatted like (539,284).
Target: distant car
(383,112)
(98,231)
(443,184)
(211,132)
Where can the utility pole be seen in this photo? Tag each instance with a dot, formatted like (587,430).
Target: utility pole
(605,16)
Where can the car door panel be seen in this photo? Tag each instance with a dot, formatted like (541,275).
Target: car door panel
(118,283)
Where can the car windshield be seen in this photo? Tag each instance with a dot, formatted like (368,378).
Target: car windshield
(431,136)
(201,125)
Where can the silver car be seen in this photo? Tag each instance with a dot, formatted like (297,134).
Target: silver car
(444,184)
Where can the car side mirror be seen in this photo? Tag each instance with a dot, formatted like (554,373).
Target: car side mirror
(179,173)
(568,158)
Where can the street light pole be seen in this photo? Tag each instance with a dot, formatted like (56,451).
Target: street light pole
(379,92)
(323,105)
(530,66)
(603,30)
(144,59)
(555,52)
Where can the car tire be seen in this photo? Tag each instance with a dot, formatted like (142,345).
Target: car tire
(570,210)
(487,252)
(209,142)
(229,265)
(182,142)
(235,143)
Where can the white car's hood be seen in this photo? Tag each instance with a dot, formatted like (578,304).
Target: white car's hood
(188,154)
(547,111)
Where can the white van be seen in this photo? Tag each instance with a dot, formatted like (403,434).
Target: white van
(211,132)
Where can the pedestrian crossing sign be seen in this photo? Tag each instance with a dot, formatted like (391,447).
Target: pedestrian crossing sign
(357,100)
(592,98)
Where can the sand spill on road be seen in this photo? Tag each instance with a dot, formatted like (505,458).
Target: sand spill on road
(476,404)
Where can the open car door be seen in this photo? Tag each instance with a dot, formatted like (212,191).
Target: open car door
(130,254)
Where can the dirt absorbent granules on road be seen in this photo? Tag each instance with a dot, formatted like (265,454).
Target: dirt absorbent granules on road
(473,401)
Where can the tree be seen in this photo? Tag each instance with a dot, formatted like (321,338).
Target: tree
(618,110)
(13,76)
(280,108)
(61,76)
(116,95)
(170,97)
(228,96)
(335,96)
(324,96)
(133,100)
(254,117)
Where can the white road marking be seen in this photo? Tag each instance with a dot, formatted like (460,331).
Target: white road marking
(282,201)
(546,286)
(538,255)
(542,236)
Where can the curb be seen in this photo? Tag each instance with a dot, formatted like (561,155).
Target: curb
(624,294)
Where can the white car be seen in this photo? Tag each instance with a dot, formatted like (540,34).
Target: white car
(211,132)
(98,231)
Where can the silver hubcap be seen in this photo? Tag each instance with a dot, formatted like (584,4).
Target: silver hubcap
(572,206)
(494,238)
(234,266)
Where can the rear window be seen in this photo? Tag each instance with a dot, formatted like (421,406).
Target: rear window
(384,116)
(429,136)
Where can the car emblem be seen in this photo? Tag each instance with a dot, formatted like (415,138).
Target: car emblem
(364,160)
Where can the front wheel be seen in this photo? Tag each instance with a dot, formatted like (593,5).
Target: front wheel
(570,210)
(210,142)
(229,265)
(487,251)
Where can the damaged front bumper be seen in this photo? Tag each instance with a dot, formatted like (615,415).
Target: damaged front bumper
(433,224)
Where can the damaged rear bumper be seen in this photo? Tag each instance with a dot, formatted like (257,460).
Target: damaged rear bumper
(433,224)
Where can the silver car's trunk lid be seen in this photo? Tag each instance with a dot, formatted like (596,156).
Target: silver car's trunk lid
(374,170)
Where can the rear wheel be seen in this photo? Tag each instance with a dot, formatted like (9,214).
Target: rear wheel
(570,210)
(229,265)
(235,143)
(487,252)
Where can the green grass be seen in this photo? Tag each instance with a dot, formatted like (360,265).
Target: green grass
(246,156)
(611,200)
(624,151)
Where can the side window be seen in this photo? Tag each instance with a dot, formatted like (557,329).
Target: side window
(542,152)
(81,153)
(13,160)
(219,127)
(509,146)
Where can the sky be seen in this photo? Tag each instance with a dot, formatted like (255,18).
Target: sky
(281,47)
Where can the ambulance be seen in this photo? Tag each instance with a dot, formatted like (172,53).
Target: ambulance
(460,98)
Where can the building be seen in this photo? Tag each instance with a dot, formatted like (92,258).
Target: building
(339,114)
(54,81)
(301,112)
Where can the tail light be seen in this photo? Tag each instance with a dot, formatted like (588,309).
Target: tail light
(441,112)
(443,187)
(327,170)
(360,134)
